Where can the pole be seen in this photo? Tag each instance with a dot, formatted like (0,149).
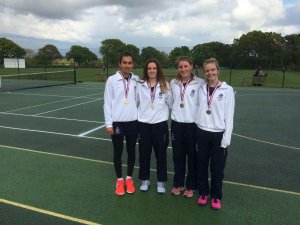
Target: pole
(283,76)
(106,64)
(283,64)
(18,65)
(230,70)
(74,72)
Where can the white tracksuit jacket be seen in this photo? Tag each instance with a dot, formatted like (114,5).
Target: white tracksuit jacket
(161,104)
(114,108)
(222,112)
(188,113)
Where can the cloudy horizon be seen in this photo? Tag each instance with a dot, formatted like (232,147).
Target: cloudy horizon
(163,24)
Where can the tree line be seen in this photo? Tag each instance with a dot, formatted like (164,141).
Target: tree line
(256,48)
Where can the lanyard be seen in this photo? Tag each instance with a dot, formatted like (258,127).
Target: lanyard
(126,87)
(182,92)
(210,97)
(152,92)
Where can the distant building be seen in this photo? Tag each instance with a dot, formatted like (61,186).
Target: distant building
(14,63)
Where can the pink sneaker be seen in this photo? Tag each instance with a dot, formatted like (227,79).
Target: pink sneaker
(188,193)
(177,190)
(216,203)
(202,200)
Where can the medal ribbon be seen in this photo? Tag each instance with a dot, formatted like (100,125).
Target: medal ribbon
(126,85)
(210,97)
(182,93)
(152,92)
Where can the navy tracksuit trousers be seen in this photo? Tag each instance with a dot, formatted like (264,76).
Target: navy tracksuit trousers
(184,152)
(154,136)
(129,130)
(210,153)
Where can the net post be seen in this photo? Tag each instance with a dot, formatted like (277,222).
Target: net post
(75,76)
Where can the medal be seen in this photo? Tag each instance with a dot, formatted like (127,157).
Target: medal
(182,92)
(152,93)
(126,88)
(210,97)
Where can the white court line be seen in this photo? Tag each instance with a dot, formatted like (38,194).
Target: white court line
(90,131)
(68,107)
(105,139)
(154,170)
(266,142)
(48,103)
(47,212)
(59,96)
(55,133)
(49,117)
(241,95)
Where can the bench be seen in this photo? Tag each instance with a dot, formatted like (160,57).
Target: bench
(254,81)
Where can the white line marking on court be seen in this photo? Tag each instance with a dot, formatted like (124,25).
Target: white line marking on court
(59,96)
(266,142)
(20,205)
(67,107)
(55,133)
(80,86)
(48,103)
(137,167)
(105,139)
(90,131)
(49,117)
(239,95)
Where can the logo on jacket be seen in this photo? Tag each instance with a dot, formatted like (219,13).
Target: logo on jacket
(193,92)
(160,95)
(220,97)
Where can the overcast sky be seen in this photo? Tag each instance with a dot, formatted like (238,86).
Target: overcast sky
(163,24)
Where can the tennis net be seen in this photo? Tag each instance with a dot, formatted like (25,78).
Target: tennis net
(35,80)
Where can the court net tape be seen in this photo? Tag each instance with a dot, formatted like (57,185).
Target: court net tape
(34,80)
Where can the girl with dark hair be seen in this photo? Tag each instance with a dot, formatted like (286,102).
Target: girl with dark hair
(153,99)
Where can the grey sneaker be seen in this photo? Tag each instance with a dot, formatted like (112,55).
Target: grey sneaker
(161,187)
(145,185)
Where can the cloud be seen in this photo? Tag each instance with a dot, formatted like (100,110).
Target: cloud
(154,23)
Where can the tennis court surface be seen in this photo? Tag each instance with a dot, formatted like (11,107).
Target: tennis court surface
(56,163)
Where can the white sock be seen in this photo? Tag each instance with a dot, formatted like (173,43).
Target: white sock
(128,177)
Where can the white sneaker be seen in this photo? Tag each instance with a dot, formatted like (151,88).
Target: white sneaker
(161,187)
(145,185)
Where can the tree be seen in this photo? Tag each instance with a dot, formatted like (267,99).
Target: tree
(151,52)
(110,50)
(29,56)
(291,50)
(255,49)
(179,51)
(216,50)
(81,54)
(9,49)
(46,55)
(135,51)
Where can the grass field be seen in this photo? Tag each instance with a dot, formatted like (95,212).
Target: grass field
(275,78)
(56,163)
